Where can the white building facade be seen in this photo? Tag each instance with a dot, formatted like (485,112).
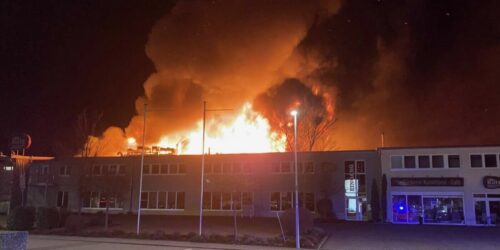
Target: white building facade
(442,185)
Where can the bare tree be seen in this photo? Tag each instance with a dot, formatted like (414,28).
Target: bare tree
(85,129)
(313,128)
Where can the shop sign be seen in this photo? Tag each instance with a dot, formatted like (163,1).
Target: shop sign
(491,182)
(428,181)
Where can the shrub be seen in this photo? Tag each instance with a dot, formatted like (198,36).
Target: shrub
(47,218)
(288,221)
(75,223)
(21,218)
(325,208)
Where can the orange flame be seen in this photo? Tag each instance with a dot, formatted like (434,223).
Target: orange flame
(247,132)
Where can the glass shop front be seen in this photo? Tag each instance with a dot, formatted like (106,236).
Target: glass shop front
(410,208)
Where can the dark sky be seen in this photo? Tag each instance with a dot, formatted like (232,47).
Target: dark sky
(422,72)
(60,57)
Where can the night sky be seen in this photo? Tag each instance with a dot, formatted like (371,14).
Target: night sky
(422,72)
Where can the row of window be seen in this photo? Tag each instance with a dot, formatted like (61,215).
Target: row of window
(98,200)
(424,161)
(484,160)
(98,170)
(288,167)
(442,161)
(163,200)
(281,201)
(164,169)
(227,168)
(226,200)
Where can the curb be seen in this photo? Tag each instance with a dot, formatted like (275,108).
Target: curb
(323,241)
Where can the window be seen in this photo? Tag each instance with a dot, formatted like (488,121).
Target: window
(424,161)
(281,201)
(182,169)
(410,161)
(155,169)
(162,200)
(437,161)
(226,168)
(113,170)
(8,168)
(64,171)
(354,177)
(396,161)
(306,200)
(152,200)
(476,161)
(453,161)
(490,161)
(226,200)
(144,199)
(62,199)
(96,170)
(145,169)
(122,170)
(173,169)
(164,169)
(98,200)
(285,167)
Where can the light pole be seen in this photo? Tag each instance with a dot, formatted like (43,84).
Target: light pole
(142,167)
(203,162)
(142,163)
(294,113)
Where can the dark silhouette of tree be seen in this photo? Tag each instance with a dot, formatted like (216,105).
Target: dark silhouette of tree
(384,198)
(375,202)
(315,118)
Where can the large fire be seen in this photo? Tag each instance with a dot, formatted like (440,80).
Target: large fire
(247,132)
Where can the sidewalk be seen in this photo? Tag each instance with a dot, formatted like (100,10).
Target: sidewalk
(46,242)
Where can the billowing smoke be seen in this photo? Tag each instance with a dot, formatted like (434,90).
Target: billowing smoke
(415,71)
(224,52)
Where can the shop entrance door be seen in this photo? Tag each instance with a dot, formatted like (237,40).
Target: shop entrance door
(487,211)
(356,208)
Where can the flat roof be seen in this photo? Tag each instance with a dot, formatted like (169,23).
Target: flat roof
(442,146)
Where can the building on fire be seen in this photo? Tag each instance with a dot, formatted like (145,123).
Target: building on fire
(425,185)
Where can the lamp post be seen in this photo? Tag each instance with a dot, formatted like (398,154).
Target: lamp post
(142,169)
(205,110)
(142,163)
(294,113)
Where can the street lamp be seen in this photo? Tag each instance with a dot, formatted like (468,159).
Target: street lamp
(138,225)
(294,113)
(203,162)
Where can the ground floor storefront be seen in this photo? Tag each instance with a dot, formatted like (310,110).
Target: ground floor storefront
(444,208)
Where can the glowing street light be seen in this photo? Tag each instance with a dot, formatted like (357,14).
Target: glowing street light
(294,113)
